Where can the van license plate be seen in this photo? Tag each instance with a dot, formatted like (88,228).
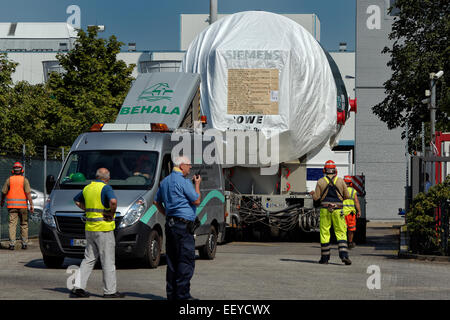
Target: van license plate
(78,242)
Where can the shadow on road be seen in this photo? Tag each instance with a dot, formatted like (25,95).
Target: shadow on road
(138,263)
(309,261)
(120,265)
(148,296)
(39,263)
(387,241)
(144,296)
(60,290)
(67,292)
(387,256)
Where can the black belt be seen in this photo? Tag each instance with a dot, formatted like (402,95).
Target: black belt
(177,219)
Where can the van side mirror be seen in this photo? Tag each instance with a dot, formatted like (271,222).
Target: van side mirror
(49,183)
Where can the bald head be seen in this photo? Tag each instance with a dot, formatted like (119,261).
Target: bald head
(102,174)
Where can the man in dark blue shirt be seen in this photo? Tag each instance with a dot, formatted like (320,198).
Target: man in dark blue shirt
(427,182)
(180,200)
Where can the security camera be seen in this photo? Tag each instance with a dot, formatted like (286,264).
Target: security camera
(439,74)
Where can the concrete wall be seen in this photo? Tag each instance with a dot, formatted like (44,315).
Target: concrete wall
(193,24)
(31,68)
(379,152)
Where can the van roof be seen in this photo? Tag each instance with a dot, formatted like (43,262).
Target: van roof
(160,97)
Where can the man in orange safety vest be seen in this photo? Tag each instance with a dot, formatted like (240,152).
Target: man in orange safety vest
(17,192)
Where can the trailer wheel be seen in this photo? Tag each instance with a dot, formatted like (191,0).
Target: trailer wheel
(152,254)
(208,251)
(53,261)
(238,234)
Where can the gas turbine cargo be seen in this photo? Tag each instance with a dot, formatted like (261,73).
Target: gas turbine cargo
(263,66)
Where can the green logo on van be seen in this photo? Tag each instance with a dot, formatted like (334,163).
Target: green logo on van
(157,92)
(150,109)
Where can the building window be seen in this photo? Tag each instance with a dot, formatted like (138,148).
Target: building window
(395,11)
(51,66)
(63,46)
(160,66)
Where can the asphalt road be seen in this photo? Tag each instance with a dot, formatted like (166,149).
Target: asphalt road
(250,271)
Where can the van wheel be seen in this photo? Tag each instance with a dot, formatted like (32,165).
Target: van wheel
(208,251)
(153,250)
(53,261)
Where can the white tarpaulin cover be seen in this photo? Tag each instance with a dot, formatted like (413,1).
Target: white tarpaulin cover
(262,71)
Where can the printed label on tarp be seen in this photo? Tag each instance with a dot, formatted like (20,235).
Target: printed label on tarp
(253,91)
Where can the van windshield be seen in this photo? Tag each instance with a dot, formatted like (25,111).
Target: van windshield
(128,169)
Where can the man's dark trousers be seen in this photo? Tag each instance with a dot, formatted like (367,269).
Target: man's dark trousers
(180,256)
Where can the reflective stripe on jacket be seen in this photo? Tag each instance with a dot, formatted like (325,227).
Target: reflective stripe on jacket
(16,197)
(92,194)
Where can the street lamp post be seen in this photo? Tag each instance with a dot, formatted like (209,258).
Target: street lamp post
(432,106)
(212,11)
(433,78)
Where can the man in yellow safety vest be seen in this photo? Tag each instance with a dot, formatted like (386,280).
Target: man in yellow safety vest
(356,212)
(331,191)
(99,203)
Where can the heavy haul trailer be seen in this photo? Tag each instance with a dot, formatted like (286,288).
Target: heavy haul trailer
(282,81)
(277,216)
(137,151)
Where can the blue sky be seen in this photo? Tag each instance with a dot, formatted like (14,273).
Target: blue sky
(155,25)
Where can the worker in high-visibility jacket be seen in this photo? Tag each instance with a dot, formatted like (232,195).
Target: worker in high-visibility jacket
(356,212)
(17,192)
(331,191)
(99,204)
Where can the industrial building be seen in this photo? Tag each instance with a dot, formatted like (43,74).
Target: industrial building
(379,152)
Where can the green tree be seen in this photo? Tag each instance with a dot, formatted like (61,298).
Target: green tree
(425,236)
(29,118)
(421,46)
(7,68)
(27,113)
(93,86)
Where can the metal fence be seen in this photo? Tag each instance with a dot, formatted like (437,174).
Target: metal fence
(37,166)
(444,226)
(432,166)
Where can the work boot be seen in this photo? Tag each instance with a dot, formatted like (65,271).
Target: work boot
(11,247)
(79,293)
(323,260)
(347,261)
(351,245)
(24,246)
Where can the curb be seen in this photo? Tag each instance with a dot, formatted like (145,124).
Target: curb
(404,254)
(423,257)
